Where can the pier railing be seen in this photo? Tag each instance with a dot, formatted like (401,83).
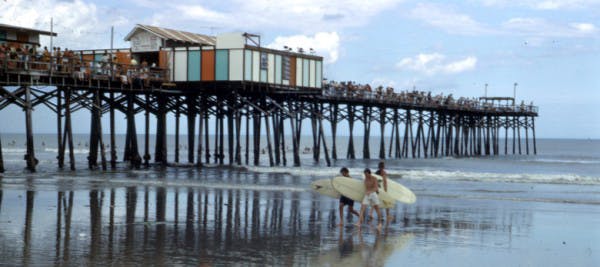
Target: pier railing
(420,100)
(84,70)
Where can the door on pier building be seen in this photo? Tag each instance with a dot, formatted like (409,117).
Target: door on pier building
(22,37)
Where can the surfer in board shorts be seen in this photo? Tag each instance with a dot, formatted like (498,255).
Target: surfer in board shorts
(344,201)
(370,199)
(381,172)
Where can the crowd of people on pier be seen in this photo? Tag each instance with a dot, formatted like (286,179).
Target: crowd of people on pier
(72,63)
(352,90)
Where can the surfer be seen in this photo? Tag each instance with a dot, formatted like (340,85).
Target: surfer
(344,201)
(370,199)
(381,172)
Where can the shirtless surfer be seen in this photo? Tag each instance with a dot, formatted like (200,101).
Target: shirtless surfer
(371,198)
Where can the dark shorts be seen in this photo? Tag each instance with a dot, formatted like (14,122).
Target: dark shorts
(346,201)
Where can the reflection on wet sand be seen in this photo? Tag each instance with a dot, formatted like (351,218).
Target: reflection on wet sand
(349,253)
(155,225)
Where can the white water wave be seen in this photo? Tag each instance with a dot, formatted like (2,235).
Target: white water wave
(498,177)
(328,172)
(566,161)
(75,150)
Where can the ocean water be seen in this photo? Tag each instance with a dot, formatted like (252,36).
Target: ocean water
(558,161)
(533,210)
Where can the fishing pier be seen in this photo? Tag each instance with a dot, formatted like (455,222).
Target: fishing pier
(238,91)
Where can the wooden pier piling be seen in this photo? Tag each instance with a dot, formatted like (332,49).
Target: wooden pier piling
(30,156)
(350,154)
(366,119)
(382,133)
(113,143)
(61,155)
(1,165)
(191,126)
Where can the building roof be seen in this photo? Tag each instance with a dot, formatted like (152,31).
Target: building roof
(23,29)
(175,35)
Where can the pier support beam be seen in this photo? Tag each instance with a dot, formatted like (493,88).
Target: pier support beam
(113,145)
(382,135)
(408,136)
(230,131)
(350,154)
(324,144)
(30,156)
(313,121)
(96,134)
(397,128)
(61,154)
(526,135)
(201,112)
(177,117)
(367,136)
(191,126)
(276,135)
(2,165)
(334,120)
(295,140)
(282,138)
(533,132)
(238,133)
(68,134)
(131,144)
(160,151)
(146,134)
(268,132)
(205,109)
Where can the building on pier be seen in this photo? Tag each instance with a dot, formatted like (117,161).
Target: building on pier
(192,57)
(14,36)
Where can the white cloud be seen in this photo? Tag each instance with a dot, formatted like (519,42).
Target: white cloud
(538,27)
(299,15)
(453,22)
(324,43)
(446,18)
(544,4)
(201,12)
(431,64)
(78,24)
(584,27)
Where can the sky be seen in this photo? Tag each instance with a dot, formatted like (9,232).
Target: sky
(550,48)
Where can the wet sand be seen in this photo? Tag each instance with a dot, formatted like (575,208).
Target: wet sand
(199,221)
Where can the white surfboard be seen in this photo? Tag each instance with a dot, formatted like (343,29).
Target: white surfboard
(396,190)
(355,189)
(324,187)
